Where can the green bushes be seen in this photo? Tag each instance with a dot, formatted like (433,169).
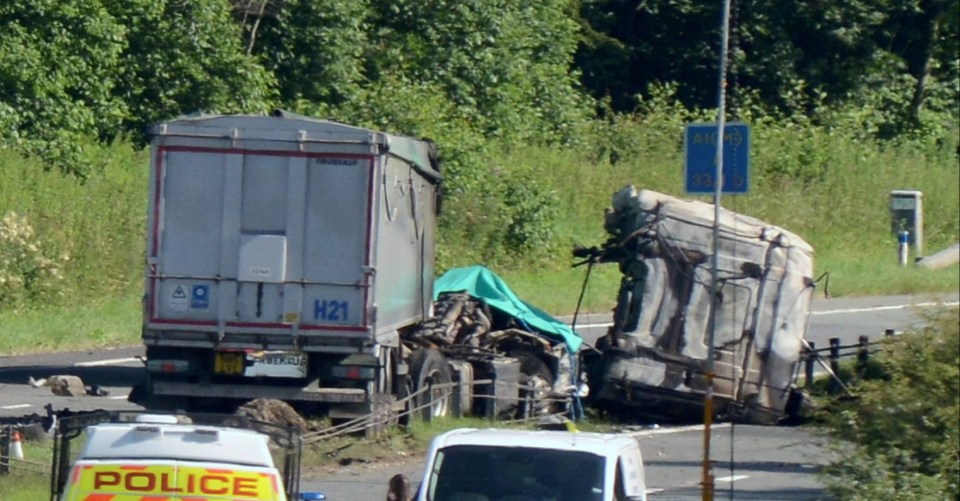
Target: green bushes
(70,243)
(520,208)
(898,435)
(28,271)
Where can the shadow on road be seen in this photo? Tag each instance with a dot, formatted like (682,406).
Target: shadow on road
(115,375)
(721,468)
(722,492)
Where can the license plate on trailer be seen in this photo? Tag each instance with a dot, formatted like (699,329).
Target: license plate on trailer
(291,364)
(228,362)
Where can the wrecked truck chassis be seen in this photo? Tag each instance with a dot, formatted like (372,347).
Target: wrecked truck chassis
(627,392)
(482,344)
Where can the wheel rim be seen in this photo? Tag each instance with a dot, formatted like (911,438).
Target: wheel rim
(538,388)
(437,396)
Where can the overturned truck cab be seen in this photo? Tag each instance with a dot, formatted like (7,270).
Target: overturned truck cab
(654,358)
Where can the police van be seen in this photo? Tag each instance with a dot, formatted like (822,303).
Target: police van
(135,456)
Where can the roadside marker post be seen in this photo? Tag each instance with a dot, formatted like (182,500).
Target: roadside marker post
(16,445)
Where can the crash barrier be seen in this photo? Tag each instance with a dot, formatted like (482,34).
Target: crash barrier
(386,415)
(11,453)
(862,350)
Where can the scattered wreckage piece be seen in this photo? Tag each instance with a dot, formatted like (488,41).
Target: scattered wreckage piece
(67,386)
(275,412)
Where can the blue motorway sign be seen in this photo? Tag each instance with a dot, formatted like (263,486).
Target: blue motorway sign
(700,158)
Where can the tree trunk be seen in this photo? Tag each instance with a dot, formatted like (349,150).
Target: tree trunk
(932,12)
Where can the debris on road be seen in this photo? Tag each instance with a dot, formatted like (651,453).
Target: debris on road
(61,385)
(273,411)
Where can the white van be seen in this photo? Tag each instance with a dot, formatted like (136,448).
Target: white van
(520,465)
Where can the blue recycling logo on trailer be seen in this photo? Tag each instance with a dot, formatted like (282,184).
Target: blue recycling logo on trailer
(200,297)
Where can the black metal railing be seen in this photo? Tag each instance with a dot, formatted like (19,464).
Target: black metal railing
(831,356)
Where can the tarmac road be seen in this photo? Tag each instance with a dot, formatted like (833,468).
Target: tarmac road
(765,463)
(846,318)
(117,370)
(769,463)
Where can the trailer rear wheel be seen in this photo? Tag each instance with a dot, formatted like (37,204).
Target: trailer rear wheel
(536,385)
(429,367)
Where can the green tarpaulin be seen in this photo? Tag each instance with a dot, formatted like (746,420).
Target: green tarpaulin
(481,283)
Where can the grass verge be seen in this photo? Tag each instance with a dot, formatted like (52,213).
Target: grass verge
(114,321)
(29,479)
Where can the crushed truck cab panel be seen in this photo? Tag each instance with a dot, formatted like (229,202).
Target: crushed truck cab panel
(655,355)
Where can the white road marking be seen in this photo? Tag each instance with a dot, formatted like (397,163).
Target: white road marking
(882,308)
(830,312)
(654,491)
(118,397)
(677,429)
(17,406)
(731,478)
(593,326)
(111,361)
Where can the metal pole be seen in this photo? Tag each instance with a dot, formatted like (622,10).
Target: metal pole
(903,249)
(834,365)
(863,355)
(811,358)
(5,450)
(707,482)
(428,409)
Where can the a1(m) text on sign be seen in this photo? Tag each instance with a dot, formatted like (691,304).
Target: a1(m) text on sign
(700,158)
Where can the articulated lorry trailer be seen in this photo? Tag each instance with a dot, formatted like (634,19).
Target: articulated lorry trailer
(292,258)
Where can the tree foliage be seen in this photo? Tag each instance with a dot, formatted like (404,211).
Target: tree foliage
(513,71)
(314,48)
(460,73)
(789,57)
(58,75)
(508,63)
(478,76)
(184,57)
(78,69)
(902,427)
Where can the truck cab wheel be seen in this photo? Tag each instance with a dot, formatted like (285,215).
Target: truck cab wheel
(429,367)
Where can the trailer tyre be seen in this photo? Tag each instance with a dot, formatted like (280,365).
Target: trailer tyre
(536,385)
(429,366)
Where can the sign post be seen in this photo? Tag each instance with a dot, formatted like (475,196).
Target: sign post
(700,158)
